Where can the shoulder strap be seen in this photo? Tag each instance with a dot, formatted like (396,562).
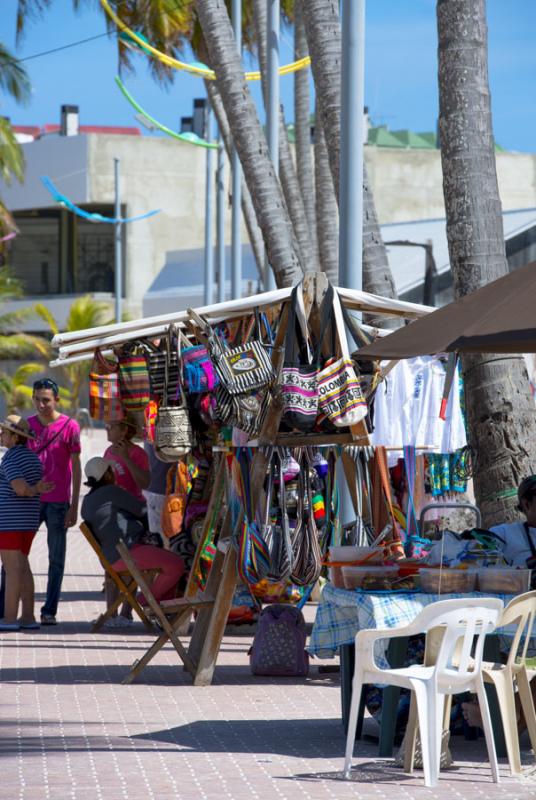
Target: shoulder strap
(52,439)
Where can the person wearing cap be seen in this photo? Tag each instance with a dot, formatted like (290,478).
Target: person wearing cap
(112,514)
(130,462)
(57,445)
(21,484)
(520,537)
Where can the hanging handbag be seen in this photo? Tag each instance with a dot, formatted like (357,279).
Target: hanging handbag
(253,562)
(244,411)
(104,392)
(198,370)
(277,534)
(173,435)
(175,501)
(340,398)
(307,556)
(299,376)
(162,358)
(241,368)
(133,380)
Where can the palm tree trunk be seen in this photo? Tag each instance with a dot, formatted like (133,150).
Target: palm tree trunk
(321,20)
(250,220)
(500,411)
(302,129)
(327,210)
(287,170)
(250,142)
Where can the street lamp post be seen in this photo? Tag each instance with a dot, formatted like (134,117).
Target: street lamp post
(118,254)
(236,189)
(272,105)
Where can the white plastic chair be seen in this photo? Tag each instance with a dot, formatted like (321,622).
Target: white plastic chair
(514,675)
(455,671)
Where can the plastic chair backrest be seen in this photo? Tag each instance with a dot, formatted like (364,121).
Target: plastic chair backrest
(520,610)
(463,619)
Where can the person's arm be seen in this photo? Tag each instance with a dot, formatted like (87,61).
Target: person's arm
(23,489)
(127,502)
(72,512)
(139,471)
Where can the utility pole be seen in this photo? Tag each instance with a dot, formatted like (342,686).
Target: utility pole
(351,174)
(118,272)
(220,221)
(272,109)
(236,189)
(209,202)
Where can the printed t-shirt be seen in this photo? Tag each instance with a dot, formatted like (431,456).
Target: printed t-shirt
(123,476)
(54,445)
(19,513)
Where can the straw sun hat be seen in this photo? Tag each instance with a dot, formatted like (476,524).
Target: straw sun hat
(16,424)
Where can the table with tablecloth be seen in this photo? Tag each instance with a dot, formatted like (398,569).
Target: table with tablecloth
(341,613)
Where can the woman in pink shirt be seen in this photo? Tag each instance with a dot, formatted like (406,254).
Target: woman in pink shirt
(131,465)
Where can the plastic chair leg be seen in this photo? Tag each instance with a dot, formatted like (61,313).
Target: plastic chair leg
(410,737)
(487,726)
(503,683)
(357,688)
(527,704)
(425,727)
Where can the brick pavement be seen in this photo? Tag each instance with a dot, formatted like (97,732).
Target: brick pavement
(69,729)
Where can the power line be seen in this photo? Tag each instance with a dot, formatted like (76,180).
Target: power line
(58,49)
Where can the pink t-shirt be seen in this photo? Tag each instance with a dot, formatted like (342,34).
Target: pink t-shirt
(123,476)
(54,445)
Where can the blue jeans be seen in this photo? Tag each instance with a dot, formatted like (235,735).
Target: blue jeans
(53,515)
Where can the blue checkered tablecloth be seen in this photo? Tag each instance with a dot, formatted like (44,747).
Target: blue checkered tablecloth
(342,613)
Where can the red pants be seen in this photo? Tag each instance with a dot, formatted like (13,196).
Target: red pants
(148,557)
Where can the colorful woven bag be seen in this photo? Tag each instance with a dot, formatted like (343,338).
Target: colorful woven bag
(104,393)
(134,381)
(198,370)
(340,398)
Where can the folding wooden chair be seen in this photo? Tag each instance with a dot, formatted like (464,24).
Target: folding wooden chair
(169,615)
(126,583)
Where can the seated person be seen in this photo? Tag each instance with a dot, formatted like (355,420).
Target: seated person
(519,550)
(114,514)
(520,537)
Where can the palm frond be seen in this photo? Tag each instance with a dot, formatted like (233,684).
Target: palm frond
(25,371)
(20,345)
(13,77)
(11,156)
(46,315)
(26,10)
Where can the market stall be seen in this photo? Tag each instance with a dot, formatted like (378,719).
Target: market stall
(262,407)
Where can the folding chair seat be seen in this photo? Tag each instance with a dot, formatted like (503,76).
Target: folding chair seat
(126,583)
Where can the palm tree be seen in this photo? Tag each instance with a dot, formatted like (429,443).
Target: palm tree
(18,344)
(302,129)
(500,410)
(321,20)
(16,389)
(85,312)
(327,208)
(14,81)
(267,196)
(287,170)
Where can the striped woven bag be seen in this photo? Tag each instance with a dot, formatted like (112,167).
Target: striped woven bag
(134,381)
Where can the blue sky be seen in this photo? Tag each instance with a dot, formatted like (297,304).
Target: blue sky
(401,82)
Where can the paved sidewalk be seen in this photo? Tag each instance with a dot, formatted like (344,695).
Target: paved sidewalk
(69,729)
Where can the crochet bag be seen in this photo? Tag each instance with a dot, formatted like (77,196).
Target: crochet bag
(104,393)
(173,435)
(278,647)
(340,398)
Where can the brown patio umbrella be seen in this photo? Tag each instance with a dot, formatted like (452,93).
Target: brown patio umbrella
(498,318)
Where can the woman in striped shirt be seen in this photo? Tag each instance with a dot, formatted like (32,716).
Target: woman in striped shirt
(20,486)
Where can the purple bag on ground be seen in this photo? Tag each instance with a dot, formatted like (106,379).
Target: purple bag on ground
(278,648)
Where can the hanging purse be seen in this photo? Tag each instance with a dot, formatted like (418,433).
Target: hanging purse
(104,392)
(241,368)
(340,398)
(162,358)
(133,380)
(307,557)
(253,562)
(175,501)
(277,535)
(173,435)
